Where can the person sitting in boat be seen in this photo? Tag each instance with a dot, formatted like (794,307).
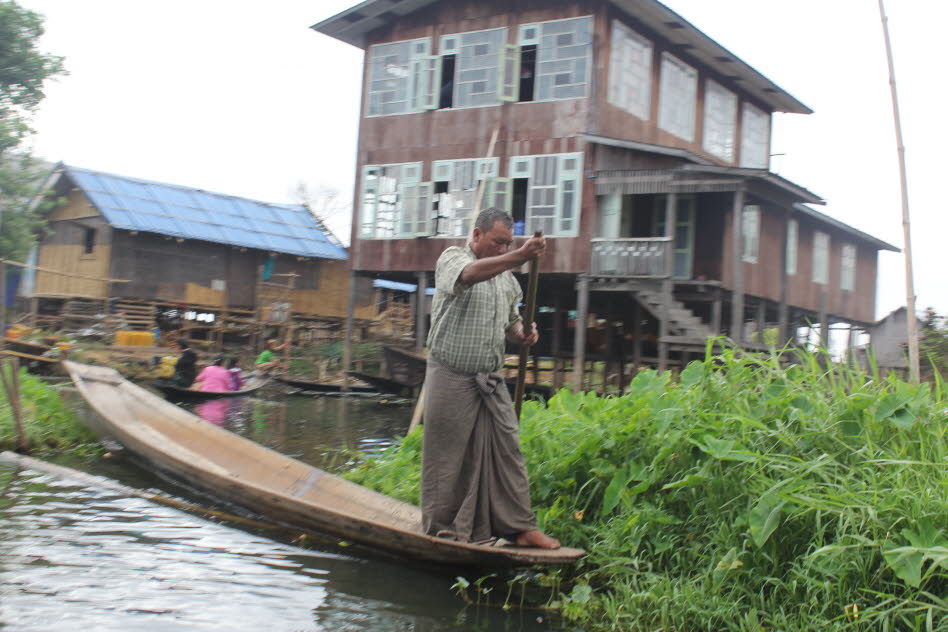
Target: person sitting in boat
(236,380)
(266,361)
(215,378)
(186,367)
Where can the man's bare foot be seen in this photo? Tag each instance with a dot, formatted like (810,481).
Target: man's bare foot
(538,539)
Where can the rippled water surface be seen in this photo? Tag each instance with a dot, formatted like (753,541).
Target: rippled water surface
(75,556)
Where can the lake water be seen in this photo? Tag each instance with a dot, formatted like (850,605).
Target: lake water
(81,557)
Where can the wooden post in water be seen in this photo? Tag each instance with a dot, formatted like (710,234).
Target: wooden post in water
(11,384)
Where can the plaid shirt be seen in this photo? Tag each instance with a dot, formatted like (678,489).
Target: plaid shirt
(468,323)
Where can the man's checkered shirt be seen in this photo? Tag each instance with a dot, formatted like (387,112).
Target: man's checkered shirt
(468,323)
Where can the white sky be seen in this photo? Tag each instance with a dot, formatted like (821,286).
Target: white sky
(241,97)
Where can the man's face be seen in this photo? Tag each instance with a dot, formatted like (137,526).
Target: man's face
(494,242)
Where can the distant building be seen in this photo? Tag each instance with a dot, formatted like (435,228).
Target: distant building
(888,342)
(636,143)
(185,246)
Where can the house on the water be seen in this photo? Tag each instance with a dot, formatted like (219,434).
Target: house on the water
(117,239)
(636,143)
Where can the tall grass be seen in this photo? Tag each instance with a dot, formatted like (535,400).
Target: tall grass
(49,425)
(742,496)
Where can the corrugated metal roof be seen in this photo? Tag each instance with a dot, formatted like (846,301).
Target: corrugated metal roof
(401,287)
(354,25)
(177,211)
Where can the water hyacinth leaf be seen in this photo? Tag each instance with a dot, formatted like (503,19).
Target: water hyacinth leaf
(850,428)
(688,481)
(692,374)
(906,563)
(581,594)
(764,518)
(890,404)
(729,563)
(723,449)
(612,494)
(903,418)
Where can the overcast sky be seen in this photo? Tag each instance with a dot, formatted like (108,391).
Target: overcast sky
(241,97)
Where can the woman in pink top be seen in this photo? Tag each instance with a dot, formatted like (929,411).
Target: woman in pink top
(214,378)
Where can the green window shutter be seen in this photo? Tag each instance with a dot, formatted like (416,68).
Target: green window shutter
(424,210)
(426,79)
(497,193)
(509,85)
(369,201)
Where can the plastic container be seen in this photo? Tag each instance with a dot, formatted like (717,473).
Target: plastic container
(134,338)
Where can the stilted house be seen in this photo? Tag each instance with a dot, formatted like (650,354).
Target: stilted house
(142,245)
(637,144)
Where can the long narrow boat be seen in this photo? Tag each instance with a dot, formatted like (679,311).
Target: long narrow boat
(173,390)
(274,485)
(381,384)
(324,387)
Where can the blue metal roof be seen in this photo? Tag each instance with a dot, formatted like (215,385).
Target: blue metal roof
(402,287)
(169,209)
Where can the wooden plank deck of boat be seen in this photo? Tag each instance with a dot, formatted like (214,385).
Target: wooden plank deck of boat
(274,485)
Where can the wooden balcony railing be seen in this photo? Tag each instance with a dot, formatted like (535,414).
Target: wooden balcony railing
(633,257)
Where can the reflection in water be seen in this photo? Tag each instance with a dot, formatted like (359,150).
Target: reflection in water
(320,431)
(79,558)
(214,410)
(74,558)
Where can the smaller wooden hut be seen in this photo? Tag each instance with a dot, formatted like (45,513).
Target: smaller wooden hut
(117,240)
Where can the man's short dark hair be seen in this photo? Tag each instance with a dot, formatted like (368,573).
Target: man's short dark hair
(490,216)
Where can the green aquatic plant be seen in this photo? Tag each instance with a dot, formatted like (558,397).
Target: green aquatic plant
(50,426)
(747,494)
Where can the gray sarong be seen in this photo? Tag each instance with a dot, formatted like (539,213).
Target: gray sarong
(474,478)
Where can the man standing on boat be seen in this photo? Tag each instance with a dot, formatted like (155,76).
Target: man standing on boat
(474,484)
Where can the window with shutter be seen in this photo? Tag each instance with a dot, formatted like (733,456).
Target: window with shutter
(630,71)
(755,137)
(720,120)
(677,97)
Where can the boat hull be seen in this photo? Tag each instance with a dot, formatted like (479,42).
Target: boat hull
(274,485)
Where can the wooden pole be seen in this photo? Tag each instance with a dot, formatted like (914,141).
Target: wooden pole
(419,412)
(421,313)
(527,323)
(11,384)
(579,345)
(737,265)
(906,224)
(3,299)
(420,302)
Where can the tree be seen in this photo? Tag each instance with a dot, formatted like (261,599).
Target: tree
(934,342)
(23,72)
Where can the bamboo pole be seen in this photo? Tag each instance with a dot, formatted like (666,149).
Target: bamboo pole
(419,411)
(532,284)
(11,384)
(906,224)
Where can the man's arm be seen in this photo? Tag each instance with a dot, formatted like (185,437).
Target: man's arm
(489,267)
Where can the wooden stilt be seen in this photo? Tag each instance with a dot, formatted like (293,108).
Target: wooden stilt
(579,349)
(737,267)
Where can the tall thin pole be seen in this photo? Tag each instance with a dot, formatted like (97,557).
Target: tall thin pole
(906,225)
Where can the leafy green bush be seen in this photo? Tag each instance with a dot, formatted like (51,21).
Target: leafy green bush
(743,496)
(48,423)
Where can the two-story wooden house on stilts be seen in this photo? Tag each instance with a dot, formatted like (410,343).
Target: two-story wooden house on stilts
(637,144)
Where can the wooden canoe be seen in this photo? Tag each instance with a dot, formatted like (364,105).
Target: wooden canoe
(274,485)
(193,392)
(381,384)
(323,387)
(405,367)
